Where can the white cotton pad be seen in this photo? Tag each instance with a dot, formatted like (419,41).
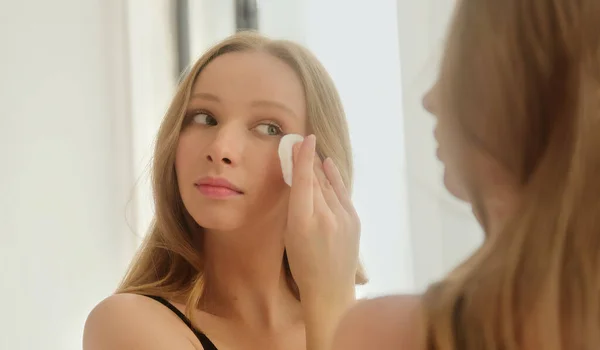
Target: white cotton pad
(286,155)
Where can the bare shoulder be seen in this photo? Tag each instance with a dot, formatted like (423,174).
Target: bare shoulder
(392,322)
(129,321)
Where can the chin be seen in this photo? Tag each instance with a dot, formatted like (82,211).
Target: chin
(454,187)
(212,220)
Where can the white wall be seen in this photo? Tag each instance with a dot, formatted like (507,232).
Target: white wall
(364,61)
(66,166)
(152,78)
(210,21)
(360,49)
(443,231)
(83,92)
(383,57)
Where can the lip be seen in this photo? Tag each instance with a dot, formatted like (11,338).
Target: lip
(438,153)
(217,187)
(435,134)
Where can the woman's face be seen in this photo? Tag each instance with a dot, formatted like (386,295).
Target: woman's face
(447,151)
(227,165)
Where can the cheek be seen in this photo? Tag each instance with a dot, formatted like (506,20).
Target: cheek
(265,175)
(186,154)
(180,155)
(268,168)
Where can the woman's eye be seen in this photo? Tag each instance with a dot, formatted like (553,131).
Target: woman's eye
(269,129)
(204,118)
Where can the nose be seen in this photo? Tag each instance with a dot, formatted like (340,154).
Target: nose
(226,147)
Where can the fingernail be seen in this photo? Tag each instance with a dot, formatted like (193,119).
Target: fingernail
(333,165)
(330,161)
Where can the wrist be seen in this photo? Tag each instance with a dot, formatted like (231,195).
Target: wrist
(314,292)
(328,304)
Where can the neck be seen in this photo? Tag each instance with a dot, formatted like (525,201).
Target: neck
(499,206)
(246,280)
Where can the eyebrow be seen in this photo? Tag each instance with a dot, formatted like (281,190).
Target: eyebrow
(257,103)
(205,96)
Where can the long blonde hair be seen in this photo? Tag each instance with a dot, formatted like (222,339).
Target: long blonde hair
(521,79)
(167,263)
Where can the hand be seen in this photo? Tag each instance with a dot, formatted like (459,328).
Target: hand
(323,229)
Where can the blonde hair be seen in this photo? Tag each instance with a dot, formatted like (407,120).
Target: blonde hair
(521,79)
(167,263)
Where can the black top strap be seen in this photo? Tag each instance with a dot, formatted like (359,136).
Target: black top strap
(206,343)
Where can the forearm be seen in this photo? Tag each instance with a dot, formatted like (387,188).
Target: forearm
(322,316)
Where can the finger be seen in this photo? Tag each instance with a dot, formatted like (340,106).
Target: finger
(319,202)
(335,178)
(295,150)
(301,192)
(325,188)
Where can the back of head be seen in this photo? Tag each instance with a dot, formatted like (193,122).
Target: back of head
(521,81)
(168,263)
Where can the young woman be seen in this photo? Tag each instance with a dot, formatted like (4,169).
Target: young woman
(236,259)
(518,108)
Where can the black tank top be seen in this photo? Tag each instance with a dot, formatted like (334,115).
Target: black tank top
(206,343)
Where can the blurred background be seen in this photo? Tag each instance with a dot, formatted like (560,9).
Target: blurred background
(85,83)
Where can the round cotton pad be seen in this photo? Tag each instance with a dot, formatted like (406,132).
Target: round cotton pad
(286,155)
